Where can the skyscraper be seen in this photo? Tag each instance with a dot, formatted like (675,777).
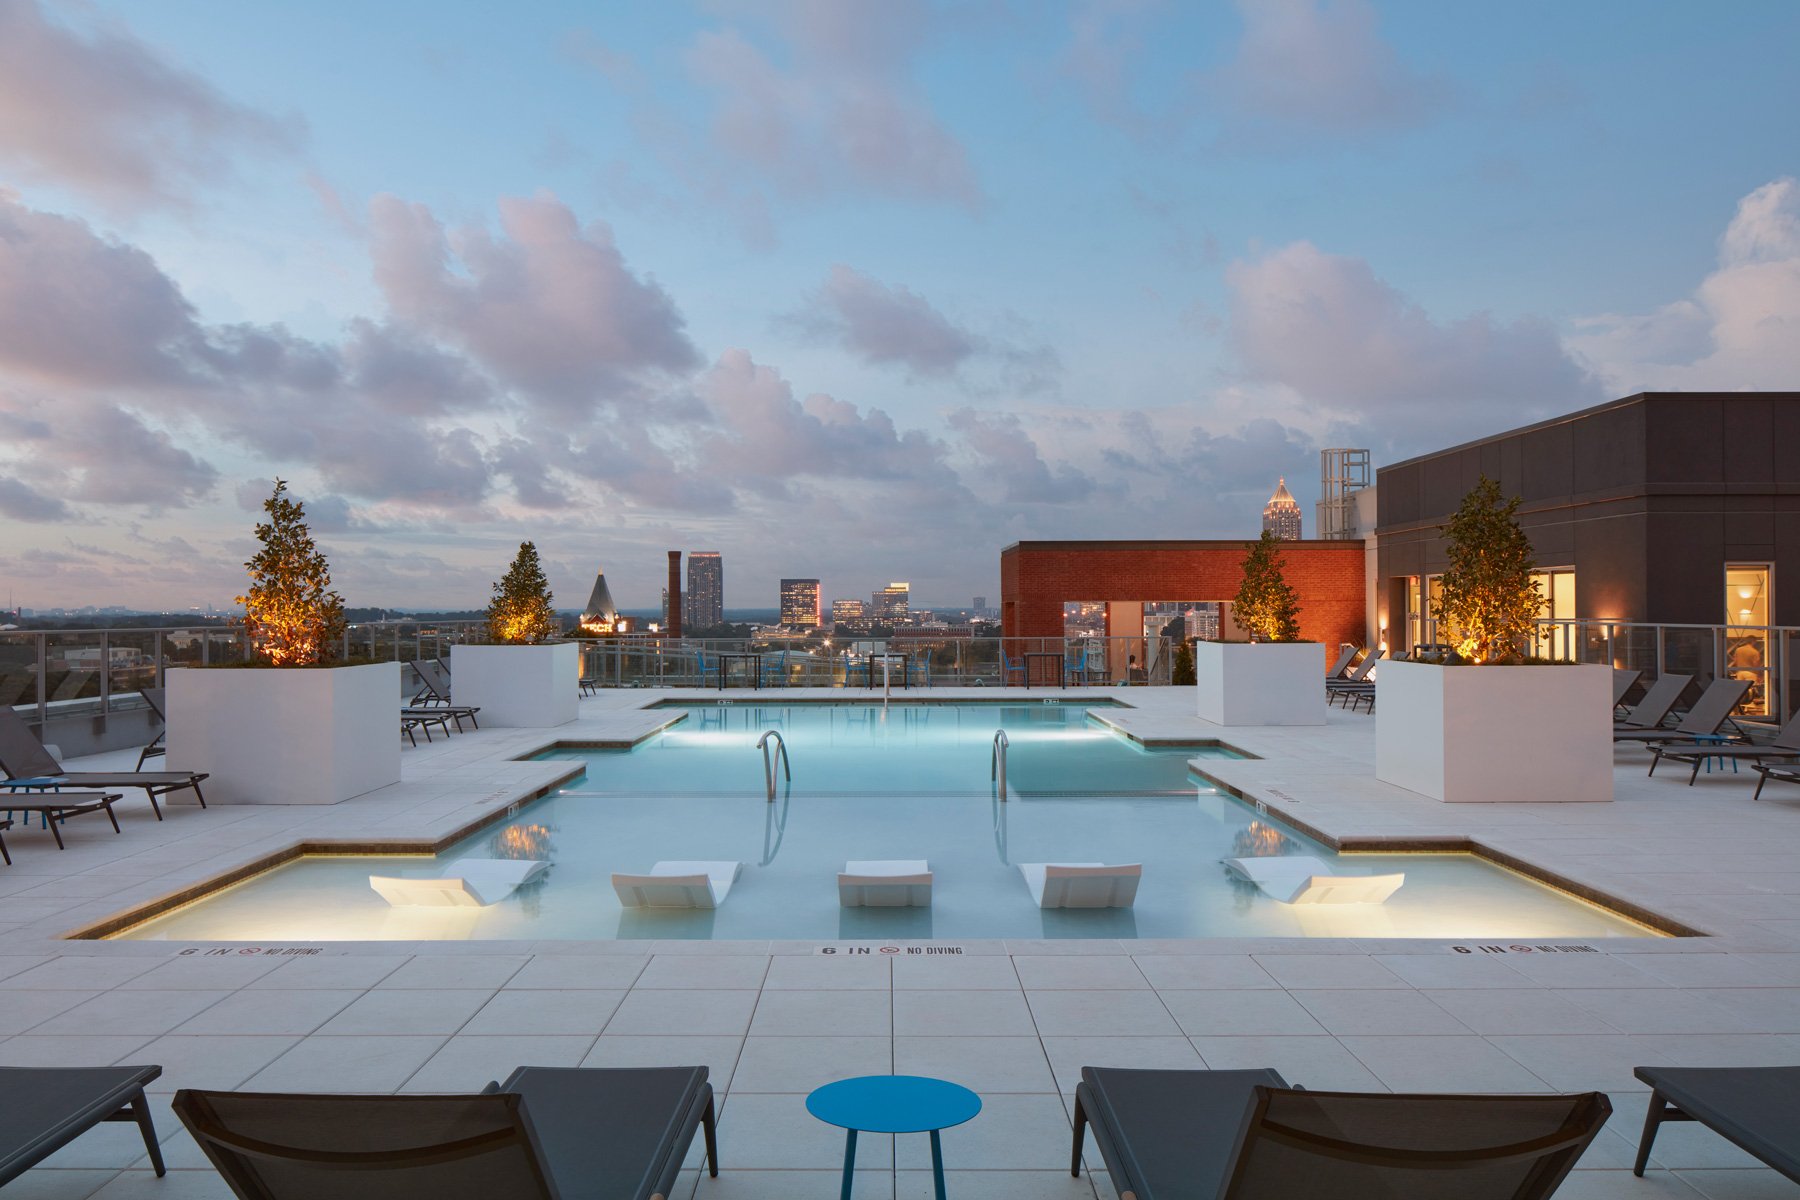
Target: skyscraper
(891,603)
(705,590)
(844,612)
(1282,513)
(800,603)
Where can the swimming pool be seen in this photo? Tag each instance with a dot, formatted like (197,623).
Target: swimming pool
(907,782)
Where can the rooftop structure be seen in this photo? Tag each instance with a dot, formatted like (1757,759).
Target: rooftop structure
(1342,474)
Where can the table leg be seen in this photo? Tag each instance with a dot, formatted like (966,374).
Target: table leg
(849,1165)
(937,1165)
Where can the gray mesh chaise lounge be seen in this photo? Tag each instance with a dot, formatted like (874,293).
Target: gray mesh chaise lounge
(1654,708)
(1767,771)
(53,808)
(153,700)
(43,1109)
(1337,668)
(434,696)
(1244,1135)
(22,756)
(1784,745)
(1624,679)
(1709,715)
(1752,1107)
(546,1133)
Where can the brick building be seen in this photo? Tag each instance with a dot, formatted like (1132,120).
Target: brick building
(1038,578)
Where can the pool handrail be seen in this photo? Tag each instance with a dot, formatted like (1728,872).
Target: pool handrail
(997,763)
(787,769)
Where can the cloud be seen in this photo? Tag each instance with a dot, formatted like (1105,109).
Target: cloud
(1106,39)
(844,114)
(549,306)
(1740,328)
(886,326)
(100,112)
(1320,67)
(22,502)
(97,451)
(1006,454)
(1351,344)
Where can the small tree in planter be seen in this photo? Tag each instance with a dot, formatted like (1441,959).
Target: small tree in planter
(520,612)
(1182,671)
(1265,604)
(1489,601)
(292,618)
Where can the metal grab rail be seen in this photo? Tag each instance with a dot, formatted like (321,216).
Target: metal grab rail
(997,763)
(787,770)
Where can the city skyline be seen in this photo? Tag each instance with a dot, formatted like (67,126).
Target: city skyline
(895,285)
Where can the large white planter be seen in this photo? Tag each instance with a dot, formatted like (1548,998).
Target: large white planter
(1494,734)
(313,735)
(1260,683)
(523,687)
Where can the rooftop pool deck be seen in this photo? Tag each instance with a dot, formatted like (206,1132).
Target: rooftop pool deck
(1013,1018)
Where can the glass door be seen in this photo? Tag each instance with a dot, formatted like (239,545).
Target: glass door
(1747,616)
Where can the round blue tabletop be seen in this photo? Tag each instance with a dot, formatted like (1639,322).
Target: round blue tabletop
(893,1104)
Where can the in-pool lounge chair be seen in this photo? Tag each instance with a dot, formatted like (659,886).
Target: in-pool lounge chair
(1709,715)
(1245,1135)
(43,1109)
(477,883)
(1784,745)
(1303,879)
(1752,1107)
(1657,703)
(678,884)
(890,883)
(29,765)
(1082,885)
(547,1133)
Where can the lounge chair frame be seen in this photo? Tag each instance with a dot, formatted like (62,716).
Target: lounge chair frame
(56,807)
(46,1108)
(1740,1104)
(24,756)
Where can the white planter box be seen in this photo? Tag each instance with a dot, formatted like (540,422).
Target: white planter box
(313,735)
(1260,683)
(1493,734)
(521,687)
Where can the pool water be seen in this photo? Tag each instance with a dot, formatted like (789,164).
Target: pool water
(910,782)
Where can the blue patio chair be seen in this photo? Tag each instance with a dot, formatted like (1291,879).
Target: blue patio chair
(1008,666)
(775,672)
(922,663)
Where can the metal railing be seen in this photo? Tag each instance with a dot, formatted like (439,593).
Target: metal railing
(997,764)
(781,756)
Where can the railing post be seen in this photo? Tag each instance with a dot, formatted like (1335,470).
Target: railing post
(157,672)
(43,668)
(105,671)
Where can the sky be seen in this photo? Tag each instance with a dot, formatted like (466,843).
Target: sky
(858,291)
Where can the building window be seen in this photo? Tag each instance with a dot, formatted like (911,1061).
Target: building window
(1748,610)
(1557,587)
(1414,631)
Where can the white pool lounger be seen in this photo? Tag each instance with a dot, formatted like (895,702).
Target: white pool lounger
(1303,879)
(478,882)
(678,884)
(885,883)
(1082,885)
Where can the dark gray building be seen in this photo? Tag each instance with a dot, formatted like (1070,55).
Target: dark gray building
(704,604)
(1668,507)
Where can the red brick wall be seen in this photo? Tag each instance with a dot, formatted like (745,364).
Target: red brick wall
(1036,578)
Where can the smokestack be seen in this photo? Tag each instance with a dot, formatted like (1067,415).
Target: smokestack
(674,593)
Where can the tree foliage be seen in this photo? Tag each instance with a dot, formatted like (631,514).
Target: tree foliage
(1489,600)
(520,612)
(1265,604)
(1182,670)
(292,618)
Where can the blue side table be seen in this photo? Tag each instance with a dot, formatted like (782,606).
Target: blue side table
(893,1104)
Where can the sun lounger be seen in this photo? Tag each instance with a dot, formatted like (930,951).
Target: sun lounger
(1357,678)
(1303,879)
(476,883)
(43,1109)
(22,756)
(680,884)
(1657,703)
(1172,1135)
(1784,745)
(434,693)
(1624,679)
(153,700)
(1082,885)
(1338,667)
(1709,714)
(423,719)
(895,883)
(53,808)
(613,1133)
(4,856)
(1751,1107)
(1767,771)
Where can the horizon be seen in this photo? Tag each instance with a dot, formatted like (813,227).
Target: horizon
(855,292)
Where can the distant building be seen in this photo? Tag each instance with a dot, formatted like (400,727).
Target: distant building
(1282,513)
(891,603)
(800,603)
(705,599)
(980,605)
(601,615)
(846,612)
